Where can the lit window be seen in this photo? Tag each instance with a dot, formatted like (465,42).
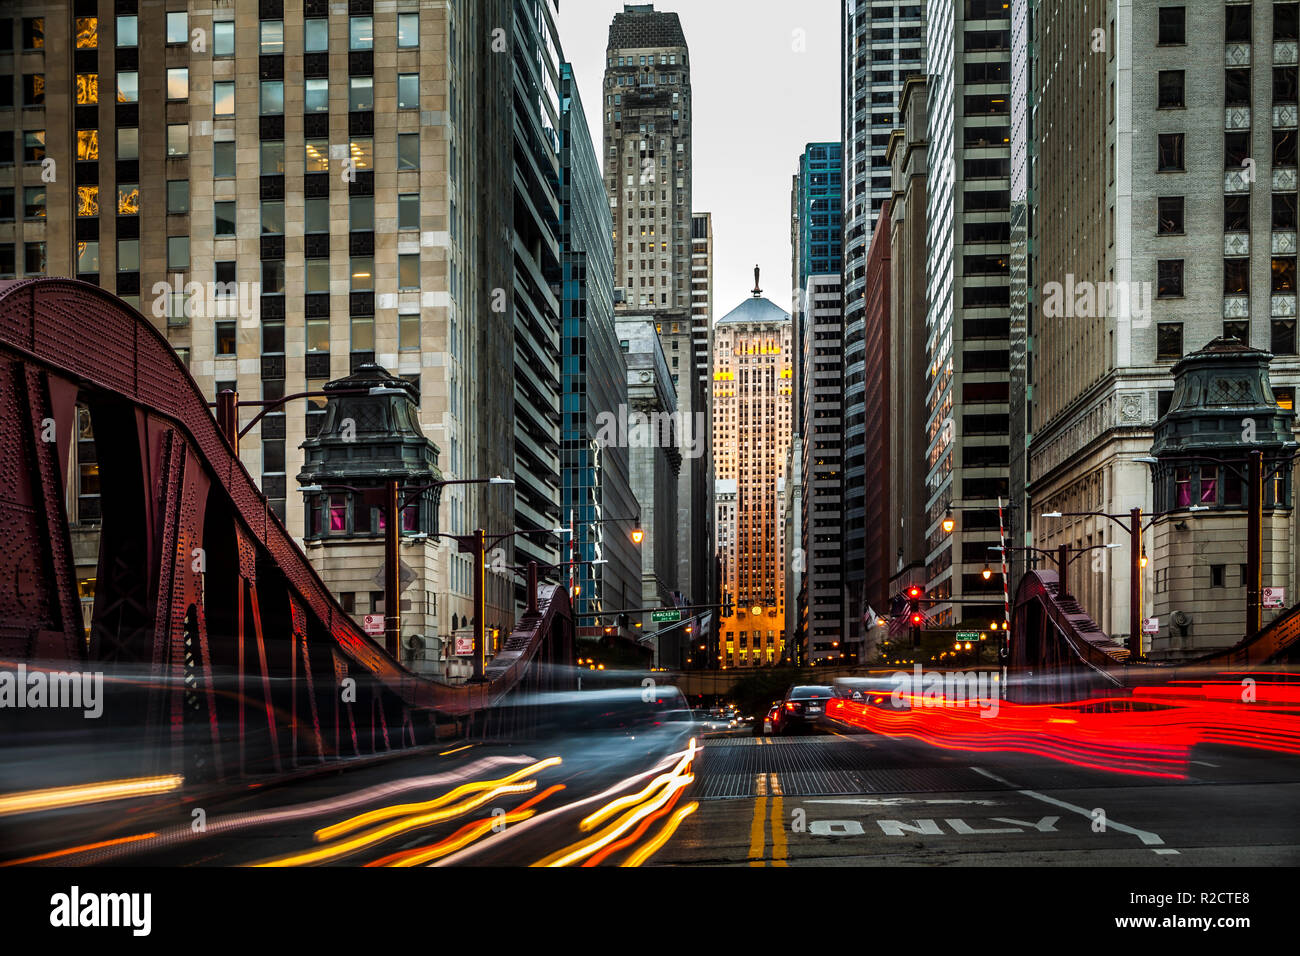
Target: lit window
(87,200)
(363,274)
(87,88)
(33,33)
(363,153)
(87,144)
(225,338)
(318,335)
(87,33)
(128,199)
(318,156)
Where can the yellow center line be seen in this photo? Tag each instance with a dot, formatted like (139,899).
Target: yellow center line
(756,841)
(778,830)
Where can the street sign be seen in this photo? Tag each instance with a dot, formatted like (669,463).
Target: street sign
(968,635)
(665,617)
(374,625)
(1151,625)
(1274,597)
(465,644)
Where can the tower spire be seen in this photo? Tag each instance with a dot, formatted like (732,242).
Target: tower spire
(758,290)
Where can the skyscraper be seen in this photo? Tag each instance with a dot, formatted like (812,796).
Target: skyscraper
(647,146)
(290,191)
(753,412)
(818,400)
(882,45)
(596,474)
(968,299)
(1170,152)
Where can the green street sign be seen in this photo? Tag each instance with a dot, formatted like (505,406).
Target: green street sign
(665,617)
(968,635)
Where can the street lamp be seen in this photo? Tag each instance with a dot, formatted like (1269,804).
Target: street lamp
(949,523)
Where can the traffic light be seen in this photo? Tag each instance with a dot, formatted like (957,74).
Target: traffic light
(728,606)
(915,616)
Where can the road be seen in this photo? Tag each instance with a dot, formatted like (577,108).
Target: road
(838,799)
(833,798)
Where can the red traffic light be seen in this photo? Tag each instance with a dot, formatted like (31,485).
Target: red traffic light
(918,620)
(914,592)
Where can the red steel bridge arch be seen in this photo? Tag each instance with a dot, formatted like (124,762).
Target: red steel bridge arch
(224,652)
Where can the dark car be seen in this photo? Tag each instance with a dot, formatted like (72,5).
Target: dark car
(803,707)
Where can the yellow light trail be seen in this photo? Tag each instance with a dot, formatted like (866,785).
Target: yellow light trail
(380,834)
(662,837)
(411,809)
(83,794)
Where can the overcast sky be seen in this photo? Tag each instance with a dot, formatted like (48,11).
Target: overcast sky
(765,80)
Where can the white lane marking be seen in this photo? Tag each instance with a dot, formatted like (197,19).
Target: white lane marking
(1148,838)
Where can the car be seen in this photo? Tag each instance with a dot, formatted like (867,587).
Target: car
(803,707)
(768,724)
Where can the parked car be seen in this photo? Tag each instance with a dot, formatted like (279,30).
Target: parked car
(802,709)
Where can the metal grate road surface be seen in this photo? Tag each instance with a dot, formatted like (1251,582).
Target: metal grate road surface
(816,766)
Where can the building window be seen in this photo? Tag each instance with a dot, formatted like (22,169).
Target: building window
(362,269)
(1236,87)
(361,33)
(408,332)
(87,144)
(178,252)
(33,146)
(318,156)
(272,277)
(272,217)
(272,97)
(128,199)
(33,33)
(128,87)
(1237,23)
(316,215)
(178,27)
(408,91)
(361,213)
(223,38)
(408,271)
(363,333)
(87,200)
(1236,276)
(272,39)
(1284,274)
(362,152)
(87,257)
(316,96)
(1170,152)
(1169,341)
(272,157)
(361,93)
(178,83)
(33,202)
(223,99)
(34,258)
(1170,85)
(225,342)
(317,276)
(1172,26)
(128,31)
(408,30)
(178,140)
(408,211)
(1283,337)
(223,160)
(1169,275)
(408,151)
(178,196)
(223,219)
(316,36)
(128,255)
(1236,213)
